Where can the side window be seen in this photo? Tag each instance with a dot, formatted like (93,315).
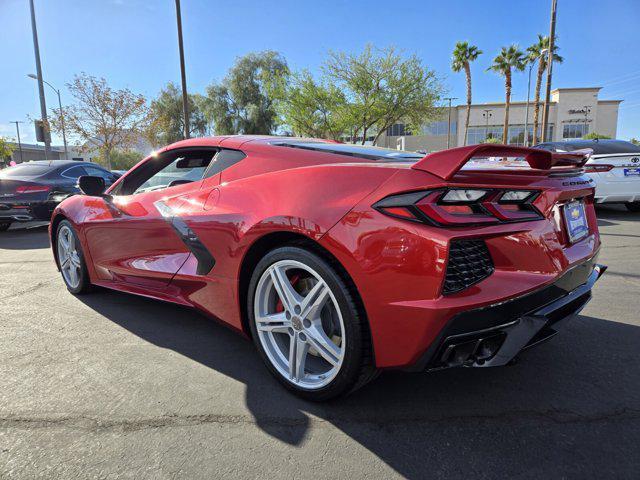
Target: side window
(73,172)
(98,172)
(183,169)
(223,160)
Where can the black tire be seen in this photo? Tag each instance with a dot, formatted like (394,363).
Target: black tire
(357,368)
(4,226)
(633,206)
(84,285)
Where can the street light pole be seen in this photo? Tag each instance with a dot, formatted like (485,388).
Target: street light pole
(43,104)
(486,115)
(449,126)
(526,115)
(19,142)
(64,135)
(547,96)
(185,99)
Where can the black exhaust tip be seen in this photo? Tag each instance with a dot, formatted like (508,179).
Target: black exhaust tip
(470,352)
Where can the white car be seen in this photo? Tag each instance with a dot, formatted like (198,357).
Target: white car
(614,167)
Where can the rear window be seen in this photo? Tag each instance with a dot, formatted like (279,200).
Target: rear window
(359,151)
(25,170)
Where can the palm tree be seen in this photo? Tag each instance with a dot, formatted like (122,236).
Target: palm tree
(509,58)
(537,52)
(463,55)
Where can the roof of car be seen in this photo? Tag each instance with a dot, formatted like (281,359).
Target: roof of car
(599,147)
(58,163)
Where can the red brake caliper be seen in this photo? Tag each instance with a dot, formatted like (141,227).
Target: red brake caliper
(279,307)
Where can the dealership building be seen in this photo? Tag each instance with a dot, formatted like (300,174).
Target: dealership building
(573,113)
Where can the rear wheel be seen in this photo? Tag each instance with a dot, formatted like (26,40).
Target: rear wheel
(4,226)
(71,259)
(633,206)
(306,325)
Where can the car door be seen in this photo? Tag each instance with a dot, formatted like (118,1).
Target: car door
(131,237)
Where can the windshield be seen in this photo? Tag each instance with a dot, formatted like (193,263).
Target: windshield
(359,151)
(25,170)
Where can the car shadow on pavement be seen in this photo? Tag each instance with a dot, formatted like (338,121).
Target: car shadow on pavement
(608,214)
(28,236)
(565,405)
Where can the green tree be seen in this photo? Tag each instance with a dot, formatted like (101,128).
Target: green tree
(491,140)
(382,88)
(102,118)
(166,117)
(123,159)
(635,141)
(510,58)
(596,136)
(463,55)
(6,149)
(313,109)
(242,102)
(538,51)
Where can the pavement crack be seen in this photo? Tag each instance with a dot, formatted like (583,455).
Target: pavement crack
(97,425)
(31,289)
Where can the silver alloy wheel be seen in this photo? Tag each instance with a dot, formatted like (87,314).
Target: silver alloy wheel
(300,329)
(68,257)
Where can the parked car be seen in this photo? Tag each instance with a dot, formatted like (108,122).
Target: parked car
(31,190)
(614,166)
(341,260)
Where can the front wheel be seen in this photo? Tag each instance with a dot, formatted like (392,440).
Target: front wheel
(307,326)
(71,259)
(633,206)
(4,226)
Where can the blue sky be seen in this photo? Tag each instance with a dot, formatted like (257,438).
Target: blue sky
(132,43)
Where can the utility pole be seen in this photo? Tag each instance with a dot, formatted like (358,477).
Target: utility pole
(487,116)
(449,127)
(43,103)
(185,99)
(64,134)
(19,142)
(547,96)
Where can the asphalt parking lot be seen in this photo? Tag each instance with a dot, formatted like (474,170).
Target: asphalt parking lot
(114,386)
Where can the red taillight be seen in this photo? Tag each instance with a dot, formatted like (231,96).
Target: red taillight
(594,168)
(33,189)
(457,207)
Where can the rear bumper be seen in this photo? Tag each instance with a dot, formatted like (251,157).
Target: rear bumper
(26,212)
(492,336)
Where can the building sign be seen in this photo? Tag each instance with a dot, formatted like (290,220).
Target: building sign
(580,111)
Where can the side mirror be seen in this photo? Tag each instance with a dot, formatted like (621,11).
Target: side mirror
(90,185)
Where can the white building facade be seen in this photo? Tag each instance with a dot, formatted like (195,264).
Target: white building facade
(573,113)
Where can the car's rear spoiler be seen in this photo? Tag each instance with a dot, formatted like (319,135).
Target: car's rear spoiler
(446,163)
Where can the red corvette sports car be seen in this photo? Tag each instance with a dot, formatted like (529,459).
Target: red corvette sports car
(341,260)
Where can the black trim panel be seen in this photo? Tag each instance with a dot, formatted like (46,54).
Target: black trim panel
(205,259)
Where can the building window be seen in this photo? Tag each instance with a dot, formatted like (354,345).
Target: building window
(575,130)
(439,128)
(477,135)
(397,130)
